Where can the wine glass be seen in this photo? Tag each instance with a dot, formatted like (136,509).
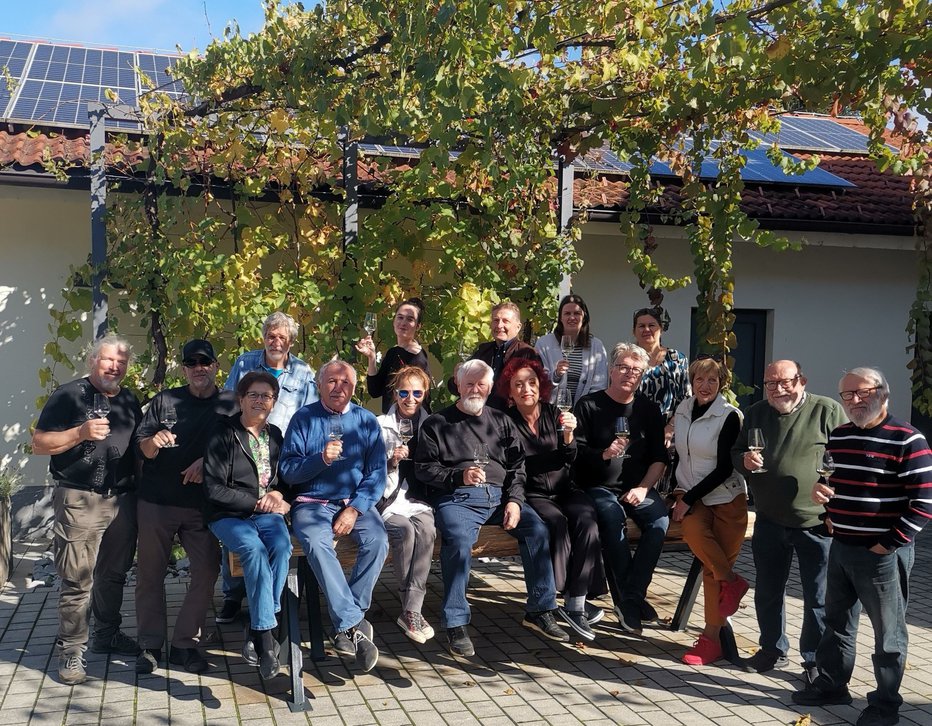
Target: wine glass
(405,430)
(369,324)
(567,343)
(564,401)
(622,432)
(826,467)
(168,419)
(101,407)
(335,433)
(756,443)
(481,456)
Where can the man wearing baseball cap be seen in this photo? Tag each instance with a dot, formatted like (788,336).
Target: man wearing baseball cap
(172,437)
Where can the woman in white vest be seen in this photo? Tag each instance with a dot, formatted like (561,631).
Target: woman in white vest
(710,498)
(582,365)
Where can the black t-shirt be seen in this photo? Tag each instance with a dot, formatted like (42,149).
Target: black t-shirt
(98,465)
(595,430)
(161,481)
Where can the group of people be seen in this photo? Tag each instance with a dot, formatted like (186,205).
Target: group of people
(559,444)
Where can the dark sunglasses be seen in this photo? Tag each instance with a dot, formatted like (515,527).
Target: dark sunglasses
(405,394)
(717,357)
(195,362)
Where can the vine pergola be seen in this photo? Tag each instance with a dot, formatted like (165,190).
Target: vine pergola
(248,200)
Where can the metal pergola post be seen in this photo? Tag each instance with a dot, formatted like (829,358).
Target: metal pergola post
(351,188)
(97,113)
(565,175)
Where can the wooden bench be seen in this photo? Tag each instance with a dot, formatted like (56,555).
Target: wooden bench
(493,542)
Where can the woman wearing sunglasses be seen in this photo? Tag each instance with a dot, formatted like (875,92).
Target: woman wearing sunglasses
(409,520)
(407,352)
(245,509)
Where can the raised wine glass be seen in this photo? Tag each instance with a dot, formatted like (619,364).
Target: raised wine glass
(335,432)
(564,402)
(567,343)
(756,443)
(168,419)
(369,324)
(481,456)
(826,467)
(623,432)
(405,430)
(101,407)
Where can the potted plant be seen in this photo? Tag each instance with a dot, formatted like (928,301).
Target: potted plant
(9,481)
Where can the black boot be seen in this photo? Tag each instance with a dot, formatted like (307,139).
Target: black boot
(267,648)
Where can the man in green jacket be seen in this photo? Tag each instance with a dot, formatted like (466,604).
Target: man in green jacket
(796,425)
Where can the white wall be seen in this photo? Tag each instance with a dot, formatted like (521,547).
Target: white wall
(42,233)
(836,304)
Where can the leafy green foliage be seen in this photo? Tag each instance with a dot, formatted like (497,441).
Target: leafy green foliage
(505,85)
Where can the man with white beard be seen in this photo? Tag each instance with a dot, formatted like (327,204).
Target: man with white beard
(876,501)
(471,460)
(795,424)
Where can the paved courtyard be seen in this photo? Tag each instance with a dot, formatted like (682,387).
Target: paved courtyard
(516,676)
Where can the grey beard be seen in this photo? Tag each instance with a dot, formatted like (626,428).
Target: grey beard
(472,405)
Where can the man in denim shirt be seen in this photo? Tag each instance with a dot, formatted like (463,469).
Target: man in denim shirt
(297,388)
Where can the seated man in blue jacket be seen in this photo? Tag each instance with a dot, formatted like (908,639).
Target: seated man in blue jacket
(334,462)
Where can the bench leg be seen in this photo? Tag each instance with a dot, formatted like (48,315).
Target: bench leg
(311,589)
(726,637)
(690,590)
(292,643)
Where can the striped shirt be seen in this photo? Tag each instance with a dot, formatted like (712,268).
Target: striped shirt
(883,483)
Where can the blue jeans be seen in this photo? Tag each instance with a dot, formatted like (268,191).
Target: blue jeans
(632,574)
(880,584)
(347,600)
(263,545)
(459,515)
(234,588)
(773,546)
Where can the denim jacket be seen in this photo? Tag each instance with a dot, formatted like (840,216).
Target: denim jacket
(297,386)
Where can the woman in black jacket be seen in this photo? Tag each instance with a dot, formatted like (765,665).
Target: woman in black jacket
(245,509)
(550,450)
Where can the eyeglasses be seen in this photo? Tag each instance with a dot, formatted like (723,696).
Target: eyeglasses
(782,383)
(627,370)
(195,362)
(717,357)
(862,393)
(405,394)
(264,397)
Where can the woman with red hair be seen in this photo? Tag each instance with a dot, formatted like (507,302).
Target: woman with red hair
(550,450)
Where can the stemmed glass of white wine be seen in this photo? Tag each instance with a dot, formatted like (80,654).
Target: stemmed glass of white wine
(335,432)
(168,419)
(564,402)
(756,443)
(826,467)
(101,407)
(369,324)
(481,455)
(405,430)
(622,432)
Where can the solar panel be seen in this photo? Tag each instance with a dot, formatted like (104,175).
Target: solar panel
(805,133)
(58,81)
(758,169)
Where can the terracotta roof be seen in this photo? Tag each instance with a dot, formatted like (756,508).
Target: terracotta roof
(880,202)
